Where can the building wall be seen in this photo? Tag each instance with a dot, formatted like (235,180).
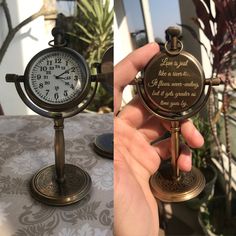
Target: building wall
(187,11)
(27,42)
(123,44)
(122,39)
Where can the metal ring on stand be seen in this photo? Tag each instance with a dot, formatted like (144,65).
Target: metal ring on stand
(175,52)
(50,43)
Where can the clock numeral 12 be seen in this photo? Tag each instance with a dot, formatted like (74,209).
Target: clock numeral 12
(58,60)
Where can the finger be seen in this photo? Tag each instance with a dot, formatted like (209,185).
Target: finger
(190,133)
(126,70)
(184,161)
(185,158)
(134,113)
(137,152)
(152,129)
(163,148)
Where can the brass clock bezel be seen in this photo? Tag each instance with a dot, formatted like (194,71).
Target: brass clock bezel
(86,81)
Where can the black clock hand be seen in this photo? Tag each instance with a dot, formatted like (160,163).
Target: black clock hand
(63,78)
(58,77)
(66,71)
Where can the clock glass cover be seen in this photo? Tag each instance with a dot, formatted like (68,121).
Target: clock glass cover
(57,78)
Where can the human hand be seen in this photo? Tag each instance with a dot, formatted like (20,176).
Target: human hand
(135,160)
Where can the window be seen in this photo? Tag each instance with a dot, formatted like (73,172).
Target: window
(136,24)
(164,14)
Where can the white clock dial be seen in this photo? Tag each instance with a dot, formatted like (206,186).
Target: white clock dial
(56,77)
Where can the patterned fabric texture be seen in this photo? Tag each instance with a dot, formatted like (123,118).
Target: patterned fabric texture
(26,145)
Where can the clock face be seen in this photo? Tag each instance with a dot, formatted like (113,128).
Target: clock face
(56,77)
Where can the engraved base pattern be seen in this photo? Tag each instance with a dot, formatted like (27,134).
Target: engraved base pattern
(168,189)
(46,189)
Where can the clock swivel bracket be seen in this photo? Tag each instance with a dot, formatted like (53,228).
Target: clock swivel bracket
(173,87)
(57,85)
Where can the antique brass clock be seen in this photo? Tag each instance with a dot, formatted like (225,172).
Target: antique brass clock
(57,85)
(173,87)
(57,78)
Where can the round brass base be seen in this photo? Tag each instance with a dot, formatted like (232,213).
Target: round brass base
(103,145)
(168,189)
(46,189)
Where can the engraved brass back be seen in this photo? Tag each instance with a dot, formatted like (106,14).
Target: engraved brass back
(173,83)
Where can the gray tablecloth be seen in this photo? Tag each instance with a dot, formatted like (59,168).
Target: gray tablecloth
(26,145)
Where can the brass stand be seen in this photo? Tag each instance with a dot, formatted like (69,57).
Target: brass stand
(60,184)
(171,185)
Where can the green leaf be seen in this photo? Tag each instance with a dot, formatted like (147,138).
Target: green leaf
(88,5)
(83,10)
(85,39)
(85,30)
(109,21)
(98,10)
(93,26)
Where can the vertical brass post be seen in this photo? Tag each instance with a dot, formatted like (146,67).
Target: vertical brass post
(174,33)
(59,146)
(174,41)
(175,131)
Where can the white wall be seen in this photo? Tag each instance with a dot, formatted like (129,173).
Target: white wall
(27,42)
(122,42)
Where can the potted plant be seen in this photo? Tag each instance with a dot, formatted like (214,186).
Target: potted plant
(92,34)
(217,20)
(201,160)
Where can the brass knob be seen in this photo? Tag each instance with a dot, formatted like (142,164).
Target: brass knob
(173,31)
